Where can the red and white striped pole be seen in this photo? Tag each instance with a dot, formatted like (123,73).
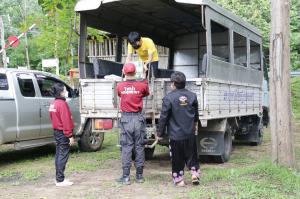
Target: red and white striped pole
(21,35)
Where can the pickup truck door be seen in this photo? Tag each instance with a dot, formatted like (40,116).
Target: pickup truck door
(28,110)
(45,84)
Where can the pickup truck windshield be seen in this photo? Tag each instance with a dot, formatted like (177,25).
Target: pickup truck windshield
(3,82)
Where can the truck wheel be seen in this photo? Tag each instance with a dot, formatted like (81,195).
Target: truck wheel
(224,157)
(254,136)
(149,153)
(90,141)
(260,136)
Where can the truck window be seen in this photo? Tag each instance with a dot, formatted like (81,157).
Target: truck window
(255,55)
(45,85)
(220,41)
(240,49)
(26,85)
(3,82)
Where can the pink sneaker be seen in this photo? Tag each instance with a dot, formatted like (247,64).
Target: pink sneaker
(180,184)
(195,180)
(195,176)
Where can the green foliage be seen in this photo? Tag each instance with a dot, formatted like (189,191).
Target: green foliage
(53,35)
(296,98)
(295,35)
(17,17)
(57,37)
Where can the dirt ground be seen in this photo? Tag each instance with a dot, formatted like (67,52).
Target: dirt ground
(101,182)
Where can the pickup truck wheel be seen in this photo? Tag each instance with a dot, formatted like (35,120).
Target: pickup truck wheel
(224,157)
(90,141)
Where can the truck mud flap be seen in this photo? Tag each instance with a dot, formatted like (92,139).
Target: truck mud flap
(214,146)
(210,143)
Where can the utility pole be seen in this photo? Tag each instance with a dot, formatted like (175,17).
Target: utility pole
(3,62)
(280,92)
(26,40)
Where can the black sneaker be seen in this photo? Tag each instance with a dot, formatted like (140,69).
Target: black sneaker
(125,180)
(139,178)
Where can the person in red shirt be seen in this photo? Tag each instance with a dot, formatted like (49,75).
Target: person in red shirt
(132,123)
(63,126)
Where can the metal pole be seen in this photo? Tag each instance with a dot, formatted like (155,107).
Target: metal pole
(26,40)
(4,60)
(26,51)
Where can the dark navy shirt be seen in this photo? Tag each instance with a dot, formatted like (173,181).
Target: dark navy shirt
(179,114)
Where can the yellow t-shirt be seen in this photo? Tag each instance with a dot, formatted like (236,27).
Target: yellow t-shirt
(148,47)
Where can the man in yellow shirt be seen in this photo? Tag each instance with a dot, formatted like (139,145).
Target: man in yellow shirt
(146,50)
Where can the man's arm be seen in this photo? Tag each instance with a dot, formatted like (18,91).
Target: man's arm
(164,116)
(129,53)
(150,58)
(118,90)
(146,88)
(195,105)
(128,58)
(151,50)
(67,120)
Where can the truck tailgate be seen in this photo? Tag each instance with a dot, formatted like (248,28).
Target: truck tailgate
(98,96)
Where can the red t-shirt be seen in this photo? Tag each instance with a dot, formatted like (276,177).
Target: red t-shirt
(61,117)
(131,93)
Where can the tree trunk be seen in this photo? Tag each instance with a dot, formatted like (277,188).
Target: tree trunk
(280,92)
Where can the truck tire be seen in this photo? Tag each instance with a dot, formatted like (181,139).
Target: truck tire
(259,138)
(89,141)
(254,136)
(225,156)
(149,153)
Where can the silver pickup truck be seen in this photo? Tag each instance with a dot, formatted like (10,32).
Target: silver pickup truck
(25,97)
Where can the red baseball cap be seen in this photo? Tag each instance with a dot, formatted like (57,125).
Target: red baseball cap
(129,68)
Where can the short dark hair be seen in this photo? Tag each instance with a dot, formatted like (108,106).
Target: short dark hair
(57,88)
(134,37)
(179,79)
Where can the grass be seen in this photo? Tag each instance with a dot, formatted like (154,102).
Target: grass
(295,87)
(29,165)
(260,180)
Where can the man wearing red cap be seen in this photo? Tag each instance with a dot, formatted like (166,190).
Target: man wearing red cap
(132,123)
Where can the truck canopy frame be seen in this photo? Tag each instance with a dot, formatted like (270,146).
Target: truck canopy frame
(195,20)
(153,18)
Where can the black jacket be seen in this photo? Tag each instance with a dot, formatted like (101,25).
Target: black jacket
(179,113)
